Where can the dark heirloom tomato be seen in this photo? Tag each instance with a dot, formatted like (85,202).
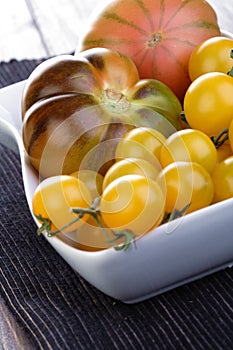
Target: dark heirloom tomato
(75,109)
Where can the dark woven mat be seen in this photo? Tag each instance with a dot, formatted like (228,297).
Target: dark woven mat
(59,310)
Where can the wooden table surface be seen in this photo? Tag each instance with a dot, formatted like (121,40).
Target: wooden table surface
(41,28)
(38,29)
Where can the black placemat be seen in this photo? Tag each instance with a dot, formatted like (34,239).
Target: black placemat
(59,310)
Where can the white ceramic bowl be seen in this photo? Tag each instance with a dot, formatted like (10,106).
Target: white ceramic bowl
(171,255)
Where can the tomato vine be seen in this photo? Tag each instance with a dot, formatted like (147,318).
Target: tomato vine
(94,211)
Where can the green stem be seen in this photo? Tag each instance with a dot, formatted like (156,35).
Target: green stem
(183,119)
(81,211)
(53,233)
(231,71)
(45,224)
(95,216)
(221,138)
(128,236)
(175,214)
(95,213)
(93,210)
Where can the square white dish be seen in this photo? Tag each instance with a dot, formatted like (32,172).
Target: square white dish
(171,255)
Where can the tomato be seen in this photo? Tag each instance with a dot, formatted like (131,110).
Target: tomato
(133,149)
(208,103)
(92,238)
(224,151)
(55,196)
(191,146)
(212,55)
(132,202)
(158,35)
(223,180)
(71,104)
(186,184)
(92,180)
(129,166)
(150,138)
(230,134)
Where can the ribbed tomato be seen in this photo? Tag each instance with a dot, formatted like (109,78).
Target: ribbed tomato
(75,109)
(159,35)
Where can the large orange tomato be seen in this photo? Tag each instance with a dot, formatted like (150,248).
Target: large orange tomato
(158,35)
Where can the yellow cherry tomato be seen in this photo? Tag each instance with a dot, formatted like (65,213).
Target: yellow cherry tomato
(212,55)
(186,184)
(132,202)
(223,180)
(224,151)
(133,149)
(91,237)
(129,166)
(55,196)
(150,138)
(208,103)
(190,146)
(230,134)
